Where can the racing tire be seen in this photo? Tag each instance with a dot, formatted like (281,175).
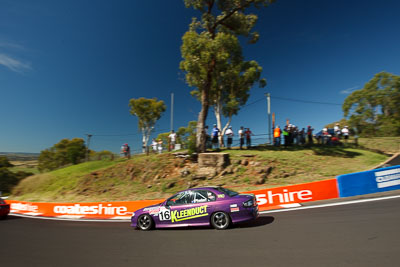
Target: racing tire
(145,222)
(220,220)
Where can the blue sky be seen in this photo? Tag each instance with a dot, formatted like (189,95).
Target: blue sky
(68,68)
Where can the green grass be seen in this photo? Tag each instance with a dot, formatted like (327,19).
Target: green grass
(148,177)
(33,170)
(48,186)
(300,165)
(25,166)
(390,145)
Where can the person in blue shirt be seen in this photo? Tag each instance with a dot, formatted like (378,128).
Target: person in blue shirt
(214,135)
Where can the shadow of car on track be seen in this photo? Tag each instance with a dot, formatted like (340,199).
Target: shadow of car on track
(11,217)
(261,221)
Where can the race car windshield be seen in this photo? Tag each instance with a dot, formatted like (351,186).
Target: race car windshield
(227,191)
(180,198)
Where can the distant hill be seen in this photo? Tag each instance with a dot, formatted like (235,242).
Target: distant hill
(20,156)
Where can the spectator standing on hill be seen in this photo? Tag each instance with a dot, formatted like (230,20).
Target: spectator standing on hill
(215,133)
(290,135)
(325,136)
(277,136)
(248,135)
(154,145)
(241,136)
(337,130)
(345,133)
(124,150)
(302,135)
(309,134)
(290,131)
(172,140)
(285,133)
(296,135)
(128,151)
(229,134)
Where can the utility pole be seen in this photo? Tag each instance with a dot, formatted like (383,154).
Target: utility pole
(88,144)
(172,111)
(268,96)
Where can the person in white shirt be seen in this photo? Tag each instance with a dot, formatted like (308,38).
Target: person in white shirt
(229,134)
(345,133)
(172,140)
(154,145)
(337,130)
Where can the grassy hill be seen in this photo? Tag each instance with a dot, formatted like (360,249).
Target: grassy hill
(157,176)
(388,145)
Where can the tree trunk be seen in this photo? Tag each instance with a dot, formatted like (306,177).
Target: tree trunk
(205,104)
(217,112)
(146,136)
(143,141)
(200,134)
(226,127)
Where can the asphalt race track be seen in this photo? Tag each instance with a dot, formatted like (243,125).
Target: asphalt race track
(364,234)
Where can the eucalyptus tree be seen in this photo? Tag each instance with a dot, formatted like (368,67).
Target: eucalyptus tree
(235,85)
(375,110)
(61,154)
(148,111)
(211,49)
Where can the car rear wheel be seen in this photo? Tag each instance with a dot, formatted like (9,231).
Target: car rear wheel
(145,222)
(220,220)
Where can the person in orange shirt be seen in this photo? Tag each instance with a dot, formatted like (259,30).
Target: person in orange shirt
(277,136)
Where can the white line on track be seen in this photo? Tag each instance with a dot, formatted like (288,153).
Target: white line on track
(332,204)
(66,219)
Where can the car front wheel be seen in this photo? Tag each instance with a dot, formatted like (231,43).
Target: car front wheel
(220,220)
(145,222)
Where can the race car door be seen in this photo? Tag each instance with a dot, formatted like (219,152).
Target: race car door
(186,208)
(176,203)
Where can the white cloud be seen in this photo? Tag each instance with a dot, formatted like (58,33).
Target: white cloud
(13,64)
(4,44)
(349,90)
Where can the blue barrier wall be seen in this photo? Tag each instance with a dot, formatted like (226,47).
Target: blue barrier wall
(360,183)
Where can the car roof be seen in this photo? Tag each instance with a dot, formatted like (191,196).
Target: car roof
(202,188)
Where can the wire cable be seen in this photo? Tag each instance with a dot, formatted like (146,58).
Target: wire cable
(131,134)
(305,101)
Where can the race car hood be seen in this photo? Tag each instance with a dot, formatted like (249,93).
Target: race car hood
(149,208)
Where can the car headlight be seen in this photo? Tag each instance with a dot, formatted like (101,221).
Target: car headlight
(248,203)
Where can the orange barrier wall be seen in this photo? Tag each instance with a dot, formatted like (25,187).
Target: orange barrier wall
(94,210)
(271,198)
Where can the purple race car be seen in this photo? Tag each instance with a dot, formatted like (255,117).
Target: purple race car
(217,206)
